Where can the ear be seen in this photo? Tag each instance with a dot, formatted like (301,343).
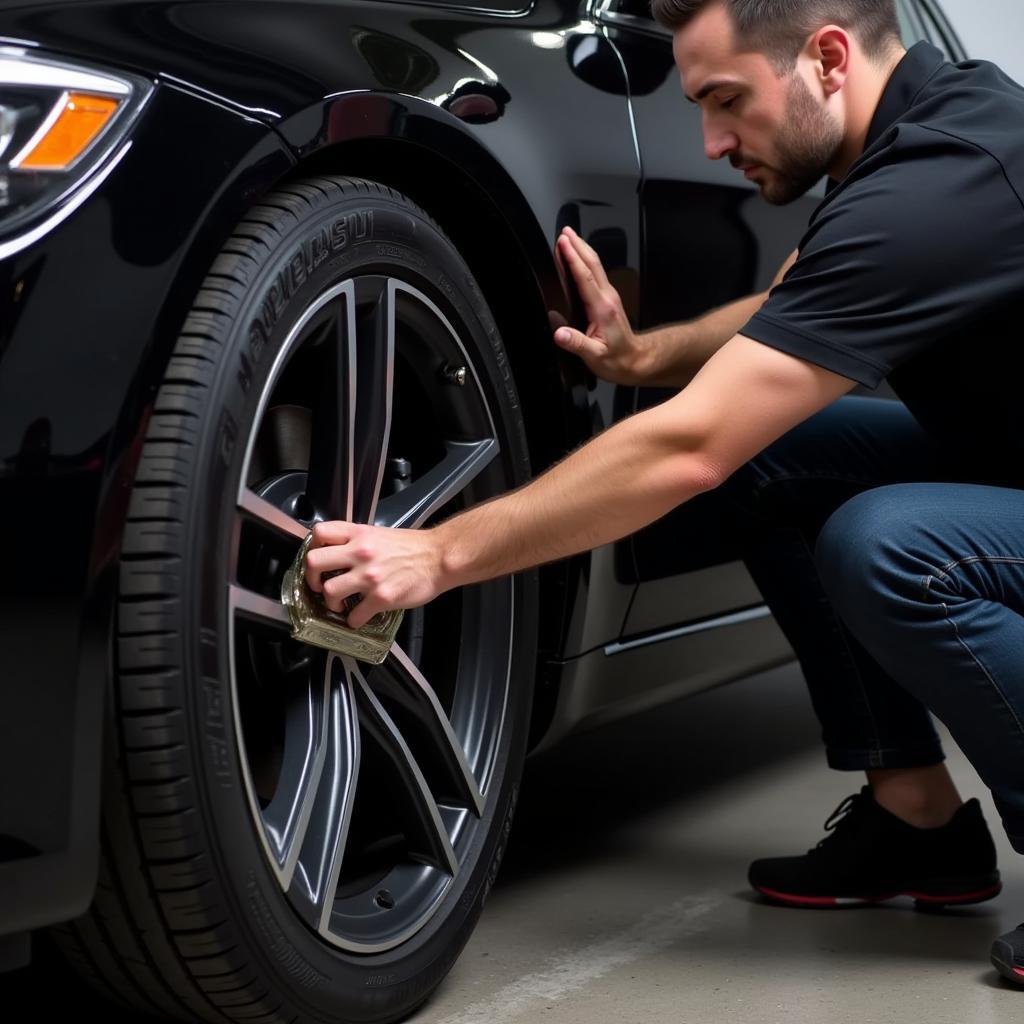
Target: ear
(829,50)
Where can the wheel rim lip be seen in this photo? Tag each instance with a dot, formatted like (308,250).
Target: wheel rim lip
(489,747)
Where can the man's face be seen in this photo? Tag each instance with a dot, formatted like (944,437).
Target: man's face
(771,128)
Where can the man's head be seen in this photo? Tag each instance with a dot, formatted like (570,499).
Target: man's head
(786,87)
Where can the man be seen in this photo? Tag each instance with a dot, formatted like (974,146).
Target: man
(896,595)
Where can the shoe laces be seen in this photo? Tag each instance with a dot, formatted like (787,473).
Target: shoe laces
(841,816)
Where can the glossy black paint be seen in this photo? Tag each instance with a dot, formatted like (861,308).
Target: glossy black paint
(89,313)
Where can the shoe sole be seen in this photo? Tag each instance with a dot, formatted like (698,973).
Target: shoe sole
(922,899)
(1003,962)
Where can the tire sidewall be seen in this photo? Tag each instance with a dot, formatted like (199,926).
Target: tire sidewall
(367,234)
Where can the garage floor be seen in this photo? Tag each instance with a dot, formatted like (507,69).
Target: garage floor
(623,896)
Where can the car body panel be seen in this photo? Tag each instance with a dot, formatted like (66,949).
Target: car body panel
(69,442)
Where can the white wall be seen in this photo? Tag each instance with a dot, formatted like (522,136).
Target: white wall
(991,30)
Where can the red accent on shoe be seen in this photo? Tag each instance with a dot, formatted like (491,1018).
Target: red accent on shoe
(1019,970)
(810,901)
(834,901)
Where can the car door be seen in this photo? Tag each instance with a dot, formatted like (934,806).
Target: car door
(706,238)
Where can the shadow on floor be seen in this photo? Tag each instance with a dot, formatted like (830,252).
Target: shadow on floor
(576,798)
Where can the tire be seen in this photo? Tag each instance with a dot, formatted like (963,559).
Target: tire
(287,835)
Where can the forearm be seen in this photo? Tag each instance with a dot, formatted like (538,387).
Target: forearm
(677,352)
(624,479)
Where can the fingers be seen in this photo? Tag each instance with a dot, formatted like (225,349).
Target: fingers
(337,588)
(578,343)
(604,307)
(586,280)
(386,568)
(588,255)
(335,531)
(341,569)
(374,597)
(364,611)
(328,552)
(319,570)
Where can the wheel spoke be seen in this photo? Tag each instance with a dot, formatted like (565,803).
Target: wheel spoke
(464,461)
(256,606)
(269,516)
(375,374)
(432,844)
(399,679)
(317,848)
(329,484)
(285,817)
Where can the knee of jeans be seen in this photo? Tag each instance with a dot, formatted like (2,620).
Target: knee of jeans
(864,554)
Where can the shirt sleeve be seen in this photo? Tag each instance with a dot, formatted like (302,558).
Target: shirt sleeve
(902,256)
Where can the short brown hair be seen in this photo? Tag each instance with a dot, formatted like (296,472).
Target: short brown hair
(779,28)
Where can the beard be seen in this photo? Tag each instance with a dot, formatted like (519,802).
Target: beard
(807,144)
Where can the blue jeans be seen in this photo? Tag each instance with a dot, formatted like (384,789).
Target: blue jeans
(898,579)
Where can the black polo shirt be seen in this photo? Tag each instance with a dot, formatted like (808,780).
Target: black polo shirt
(912,267)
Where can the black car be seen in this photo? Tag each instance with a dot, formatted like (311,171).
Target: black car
(269,262)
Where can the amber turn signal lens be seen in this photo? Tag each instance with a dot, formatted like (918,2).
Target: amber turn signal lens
(79,122)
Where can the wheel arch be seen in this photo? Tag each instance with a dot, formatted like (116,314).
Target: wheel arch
(520,286)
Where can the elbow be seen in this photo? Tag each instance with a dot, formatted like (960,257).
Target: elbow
(706,474)
(694,473)
(694,467)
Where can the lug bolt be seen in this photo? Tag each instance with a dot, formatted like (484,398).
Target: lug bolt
(400,468)
(399,473)
(454,375)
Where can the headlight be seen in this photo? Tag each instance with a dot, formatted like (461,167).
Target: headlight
(61,125)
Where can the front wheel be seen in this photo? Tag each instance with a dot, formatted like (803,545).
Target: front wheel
(289,834)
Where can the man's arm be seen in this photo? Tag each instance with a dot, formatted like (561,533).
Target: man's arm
(664,357)
(745,397)
(678,351)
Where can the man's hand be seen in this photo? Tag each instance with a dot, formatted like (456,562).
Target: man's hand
(390,568)
(609,348)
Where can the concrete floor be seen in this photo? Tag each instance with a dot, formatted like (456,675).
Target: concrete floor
(623,894)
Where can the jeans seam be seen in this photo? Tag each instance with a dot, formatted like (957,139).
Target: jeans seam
(956,630)
(970,559)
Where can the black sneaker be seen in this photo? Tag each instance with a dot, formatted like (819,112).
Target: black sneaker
(872,855)
(1008,955)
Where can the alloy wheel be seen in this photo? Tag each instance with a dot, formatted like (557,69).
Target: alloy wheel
(366,784)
